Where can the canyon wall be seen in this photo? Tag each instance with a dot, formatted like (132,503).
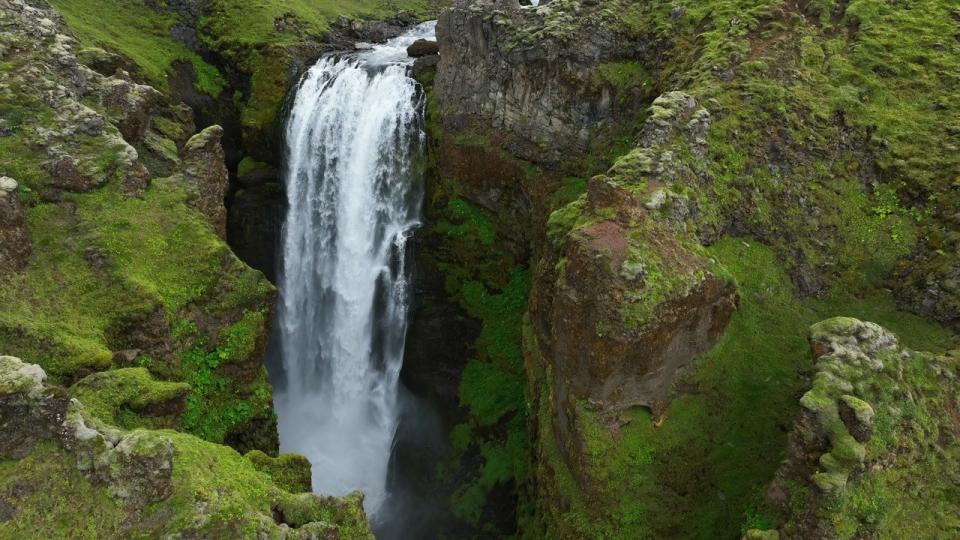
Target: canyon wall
(660,172)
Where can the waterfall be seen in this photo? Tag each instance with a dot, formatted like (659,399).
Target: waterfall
(353,134)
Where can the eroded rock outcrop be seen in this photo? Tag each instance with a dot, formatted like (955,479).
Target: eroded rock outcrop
(629,298)
(144,482)
(205,172)
(877,418)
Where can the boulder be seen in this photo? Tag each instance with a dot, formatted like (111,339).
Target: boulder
(205,172)
(423,47)
(14,240)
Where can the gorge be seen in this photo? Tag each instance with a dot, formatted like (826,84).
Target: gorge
(567,269)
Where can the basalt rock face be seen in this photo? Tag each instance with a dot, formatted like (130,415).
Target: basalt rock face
(877,417)
(144,482)
(532,75)
(623,296)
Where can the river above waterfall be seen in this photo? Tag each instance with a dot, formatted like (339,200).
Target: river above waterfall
(353,135)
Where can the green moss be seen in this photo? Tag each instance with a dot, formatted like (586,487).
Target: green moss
(564,219)
(249,165)
(219,407)
(489,392)
(208,78)
(245,34)
(156,254)
(229,488)
(131,398)
(466,221)
(623,76)
(289,471)
(57,499)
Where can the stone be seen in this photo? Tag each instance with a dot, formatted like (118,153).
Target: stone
(425,64)
(423,47)
(72,174)
(205,173)
(99,60)
(857,415)
(29,412)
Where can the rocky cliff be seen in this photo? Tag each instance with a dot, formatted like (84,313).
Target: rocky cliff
(688,187)
(116,281)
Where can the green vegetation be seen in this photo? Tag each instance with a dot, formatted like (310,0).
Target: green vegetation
(131,397)
(623,76)
(289,471)
(898,478)
(235,24)
(492,391)
(260,39)
(142,34)
(113,262)
(699,470)
(468,222)
(214,492)
(60,500)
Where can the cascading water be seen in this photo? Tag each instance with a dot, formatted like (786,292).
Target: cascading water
(353,134)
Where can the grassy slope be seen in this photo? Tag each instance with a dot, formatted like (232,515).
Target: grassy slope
(134,30)
(215,491)
(60,312)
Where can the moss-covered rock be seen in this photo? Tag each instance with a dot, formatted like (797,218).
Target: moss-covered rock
(131,397)
(141,483)
(878,417)
(123,272)
(289,471)
(14,239)
(770,136)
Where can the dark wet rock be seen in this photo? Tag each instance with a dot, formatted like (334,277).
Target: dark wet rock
(440,337)
(423,47)
(425,64)
(30,412)
(254,225)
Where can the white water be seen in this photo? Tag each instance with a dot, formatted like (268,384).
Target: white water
(353,132)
